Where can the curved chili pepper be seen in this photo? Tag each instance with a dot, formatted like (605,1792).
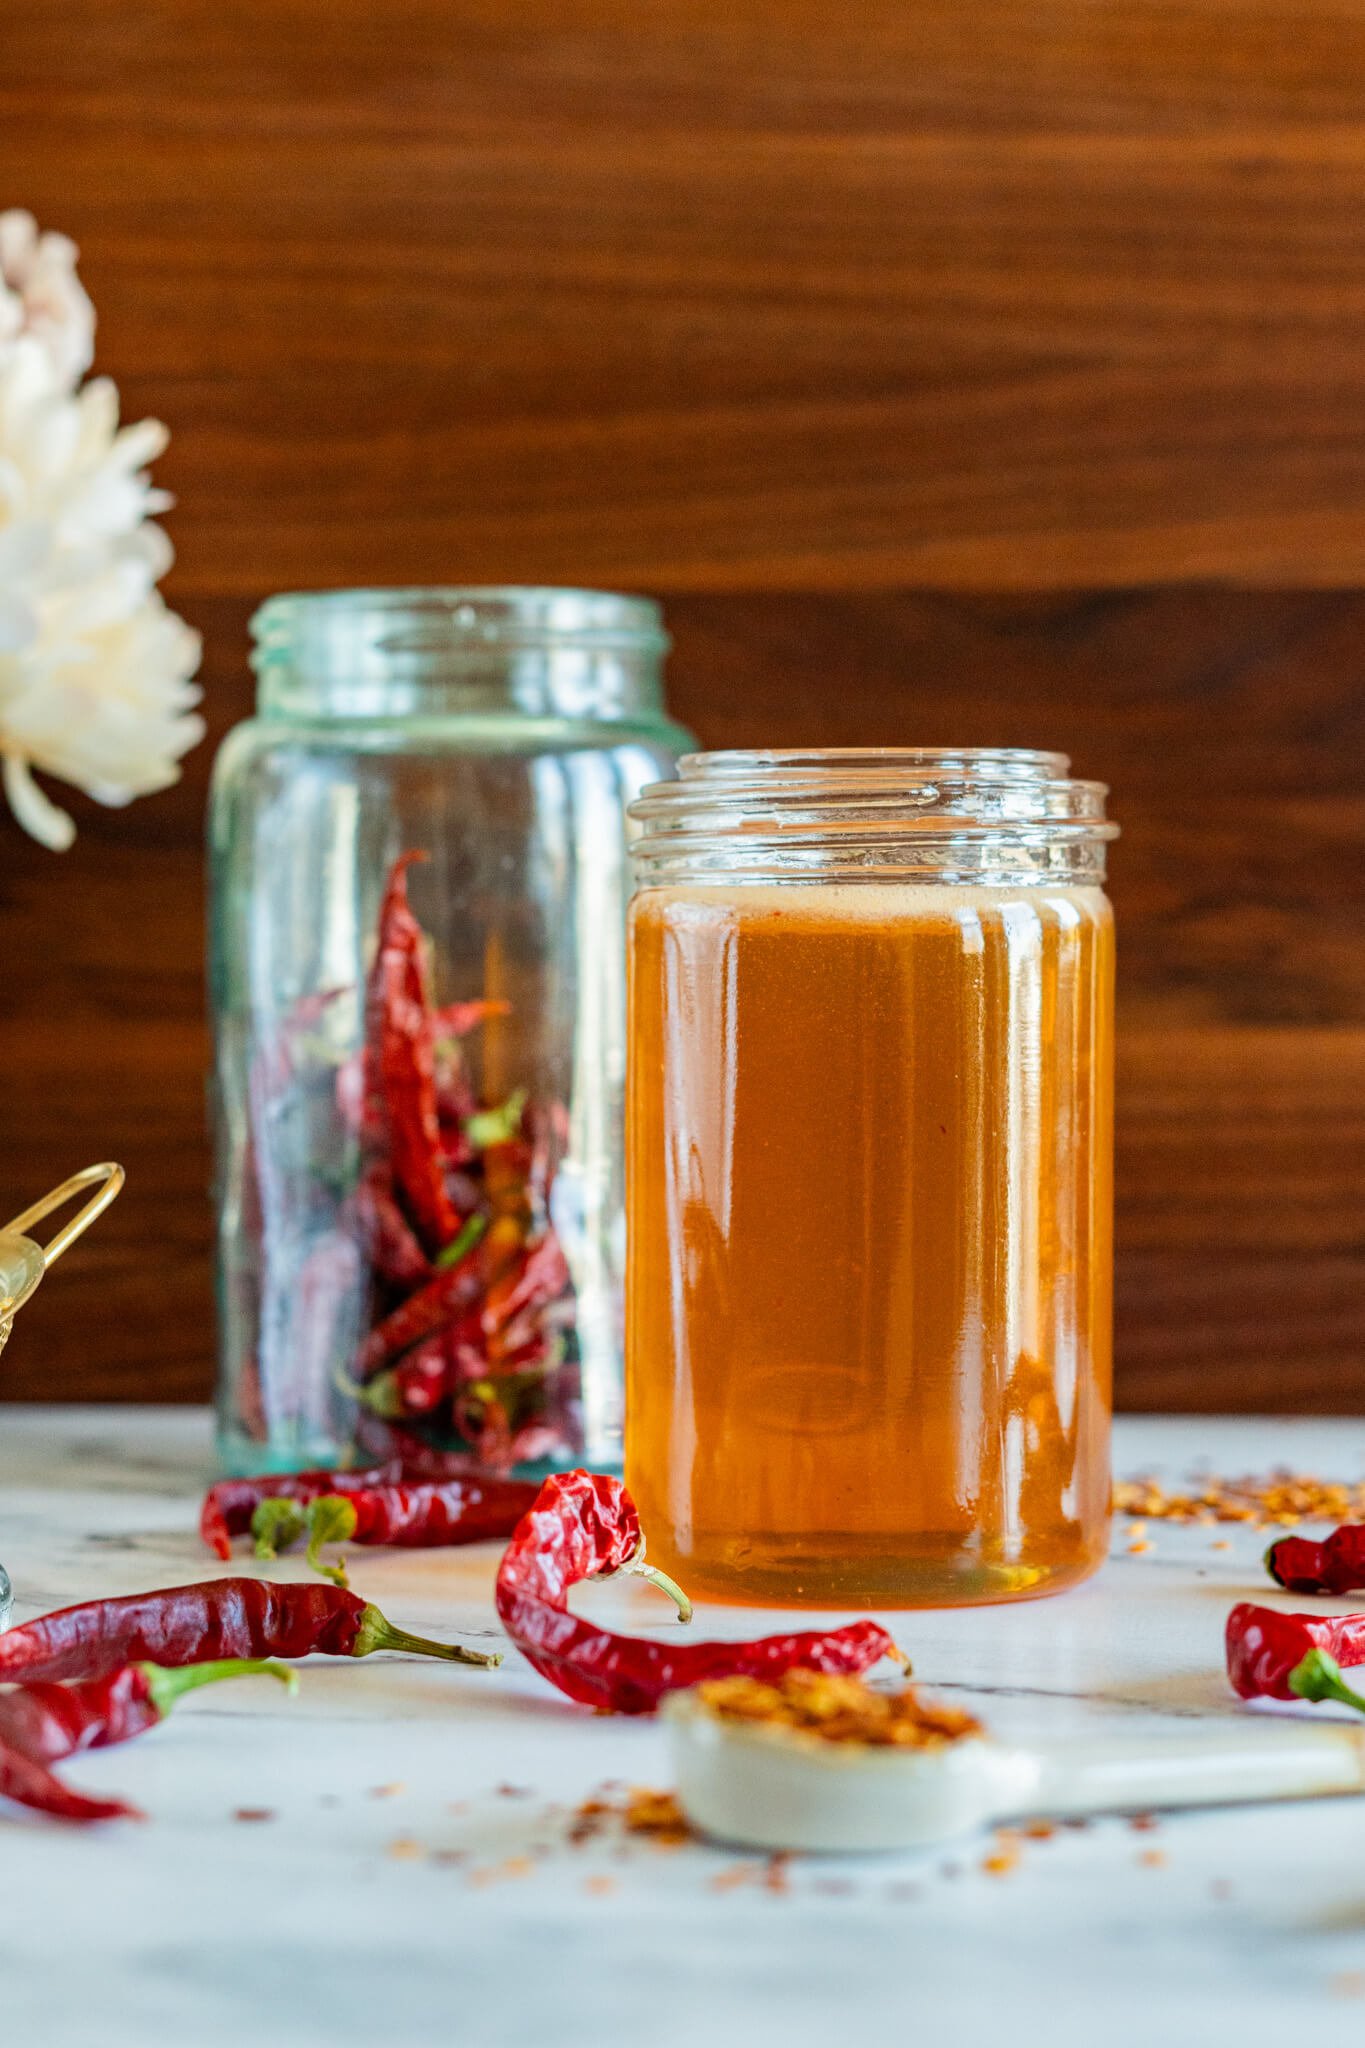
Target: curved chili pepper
(410,1516)
(198,1624)
(400,1074)
(1337,1565)
(41,1724)
(1293,1656)
(29,1783)
(584,1526)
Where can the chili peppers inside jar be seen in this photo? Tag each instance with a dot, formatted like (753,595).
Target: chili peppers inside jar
(419,875)
(868,1350)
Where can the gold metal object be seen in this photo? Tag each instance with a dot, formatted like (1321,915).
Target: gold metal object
(23,1262)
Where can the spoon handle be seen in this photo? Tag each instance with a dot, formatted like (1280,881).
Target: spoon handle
(1224,1764)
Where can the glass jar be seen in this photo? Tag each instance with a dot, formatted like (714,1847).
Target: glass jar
(869,1162)
(419,1141)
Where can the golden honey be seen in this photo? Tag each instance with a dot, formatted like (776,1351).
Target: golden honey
(869,1271)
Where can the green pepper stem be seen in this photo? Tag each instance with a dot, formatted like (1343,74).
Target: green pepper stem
(1318,1677)
(377,1632)
(331,1519)
(636,1568)
(463,1242)
(275,1524)
(165,1687)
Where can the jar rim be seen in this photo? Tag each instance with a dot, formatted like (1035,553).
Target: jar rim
(446,617)
(946,812)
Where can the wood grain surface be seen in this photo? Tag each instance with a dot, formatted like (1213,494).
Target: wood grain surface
(931,362)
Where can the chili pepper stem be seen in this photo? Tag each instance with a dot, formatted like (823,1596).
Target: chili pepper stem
(377,1632)
(331,1519)
(1318,1677)
(275,1524)
(637,1568)
(1269,1562)
(165,1687)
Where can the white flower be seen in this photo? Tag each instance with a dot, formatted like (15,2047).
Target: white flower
(41,295)
(95,672)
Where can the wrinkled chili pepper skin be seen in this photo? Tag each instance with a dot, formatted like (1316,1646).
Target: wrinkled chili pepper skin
(461,1511)
(1336,1565)
(584,1525)
(185,1625)
(1264,1647)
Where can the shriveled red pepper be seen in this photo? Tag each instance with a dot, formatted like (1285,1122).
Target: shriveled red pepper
(1293,1656)
(41,1724)
(200,1624)
(410,1516)
(443,1300)
(230,1504)
(1336,1565)
(400,1074)
(584,1526)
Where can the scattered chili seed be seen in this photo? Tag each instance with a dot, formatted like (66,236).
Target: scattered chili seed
(514,1791)
(1143,1823)
(254,1813)
(1153,1859)
(1040,1830)
(738,1874)
(406,1849)
(1000,1864)
(776,1872)
(599,1886)
(387,1791)
(1136,1549)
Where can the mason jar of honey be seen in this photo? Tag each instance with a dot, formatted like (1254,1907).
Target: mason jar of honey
(869,1165)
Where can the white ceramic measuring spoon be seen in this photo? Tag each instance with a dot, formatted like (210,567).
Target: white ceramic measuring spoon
(769,1787)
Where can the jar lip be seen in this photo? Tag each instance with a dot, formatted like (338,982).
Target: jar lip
(781,812)
(451,616)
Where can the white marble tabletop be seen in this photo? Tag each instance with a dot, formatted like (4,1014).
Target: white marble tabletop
(409,1877)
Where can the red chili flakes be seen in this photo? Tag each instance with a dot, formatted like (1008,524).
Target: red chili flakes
(1143,1823)
(588,1821)
(738,1874)
(1281,1499)
(1153,1859)
(255,1813)
(658,1815)
(406,1849)
(777,1873)
(386,1791)
(514,1791)
(1040,1830)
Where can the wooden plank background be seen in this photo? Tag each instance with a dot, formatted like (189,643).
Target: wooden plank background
(987,374)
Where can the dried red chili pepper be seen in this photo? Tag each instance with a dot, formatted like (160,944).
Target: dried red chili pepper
(389,1243)
(1336,1565)
(1293,1656)
(584,1526)
(442,1301)
(41,1724)
(200,1624)
(230,1503)
(400,1079)
(410,1516)
(29,1783)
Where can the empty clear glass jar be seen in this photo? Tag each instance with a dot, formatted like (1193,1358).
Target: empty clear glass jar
(419,1133)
